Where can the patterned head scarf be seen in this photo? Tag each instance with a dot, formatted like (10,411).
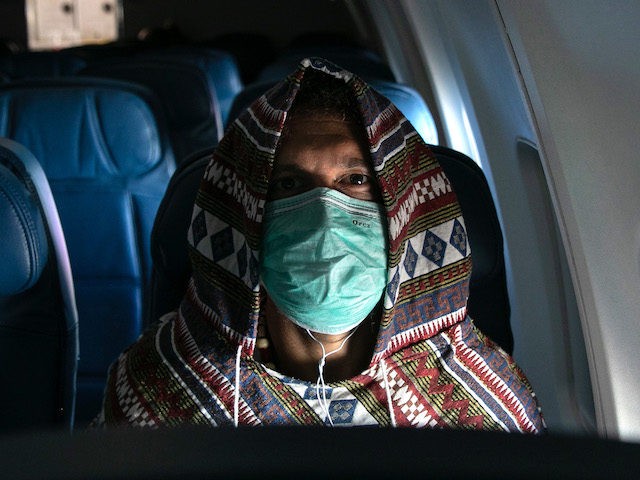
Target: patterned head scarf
(429,258)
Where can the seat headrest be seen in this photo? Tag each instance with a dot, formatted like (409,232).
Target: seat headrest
(92,129)
(24,248)
(220,67)
(412,106)
(40,64)
(186,93)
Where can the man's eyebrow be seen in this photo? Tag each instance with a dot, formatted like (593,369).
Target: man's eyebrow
(353,162)
(287,168)
(349,162)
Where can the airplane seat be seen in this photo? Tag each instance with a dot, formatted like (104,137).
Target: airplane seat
(38,316)
(40,64)
(221,67)
(98,52)
(412,106)
(488,296)
(488,299)
(252,51)
(171,268)
(106,153)
(186,92)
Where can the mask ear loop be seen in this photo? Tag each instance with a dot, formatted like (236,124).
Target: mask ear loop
(236,396)
(320,383)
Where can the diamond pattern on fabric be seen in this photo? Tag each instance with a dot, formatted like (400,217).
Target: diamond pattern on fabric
(199,227)
(342,411)
(254,270)
(242,260)
(222,244)
(459,238)
(434,248)
(410,260)
(311,392)
(392,287)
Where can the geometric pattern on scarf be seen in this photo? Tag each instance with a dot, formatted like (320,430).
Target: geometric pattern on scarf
(455,379)
(442,245)
(225,246)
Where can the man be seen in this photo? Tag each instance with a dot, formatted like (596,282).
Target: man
(319,295)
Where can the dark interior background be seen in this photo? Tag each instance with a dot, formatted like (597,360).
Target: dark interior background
(199,20)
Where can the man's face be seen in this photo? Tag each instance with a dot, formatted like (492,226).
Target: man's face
(323,151)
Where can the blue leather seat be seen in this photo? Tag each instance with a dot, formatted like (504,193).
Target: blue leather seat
(252,51)
(97,52)
(219,66)
(412,106)
(38,316)
(488,299)
(40,64)
(186,93)
(106,154)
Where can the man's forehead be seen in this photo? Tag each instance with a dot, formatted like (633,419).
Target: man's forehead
(291,164)
(304,128)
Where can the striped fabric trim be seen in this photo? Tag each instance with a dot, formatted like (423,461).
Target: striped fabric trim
(420,332)
(493,383)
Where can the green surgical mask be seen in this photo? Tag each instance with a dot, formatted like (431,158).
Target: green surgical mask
(324,258)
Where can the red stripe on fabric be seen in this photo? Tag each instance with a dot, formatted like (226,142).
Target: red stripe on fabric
(213,379)
(448,403)
(425,284)
(406,389)
(477,365)
(421,332)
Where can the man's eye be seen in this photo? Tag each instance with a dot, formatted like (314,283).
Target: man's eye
(286,183)
(358,179)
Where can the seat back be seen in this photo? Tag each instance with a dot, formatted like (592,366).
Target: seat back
(38,316)
(108,160)
(488,299)
(220,67)
(186,93)
(412,106)
(252,51)
(488,296)
(40,64)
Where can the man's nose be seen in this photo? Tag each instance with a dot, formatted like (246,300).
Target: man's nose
(324,180)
